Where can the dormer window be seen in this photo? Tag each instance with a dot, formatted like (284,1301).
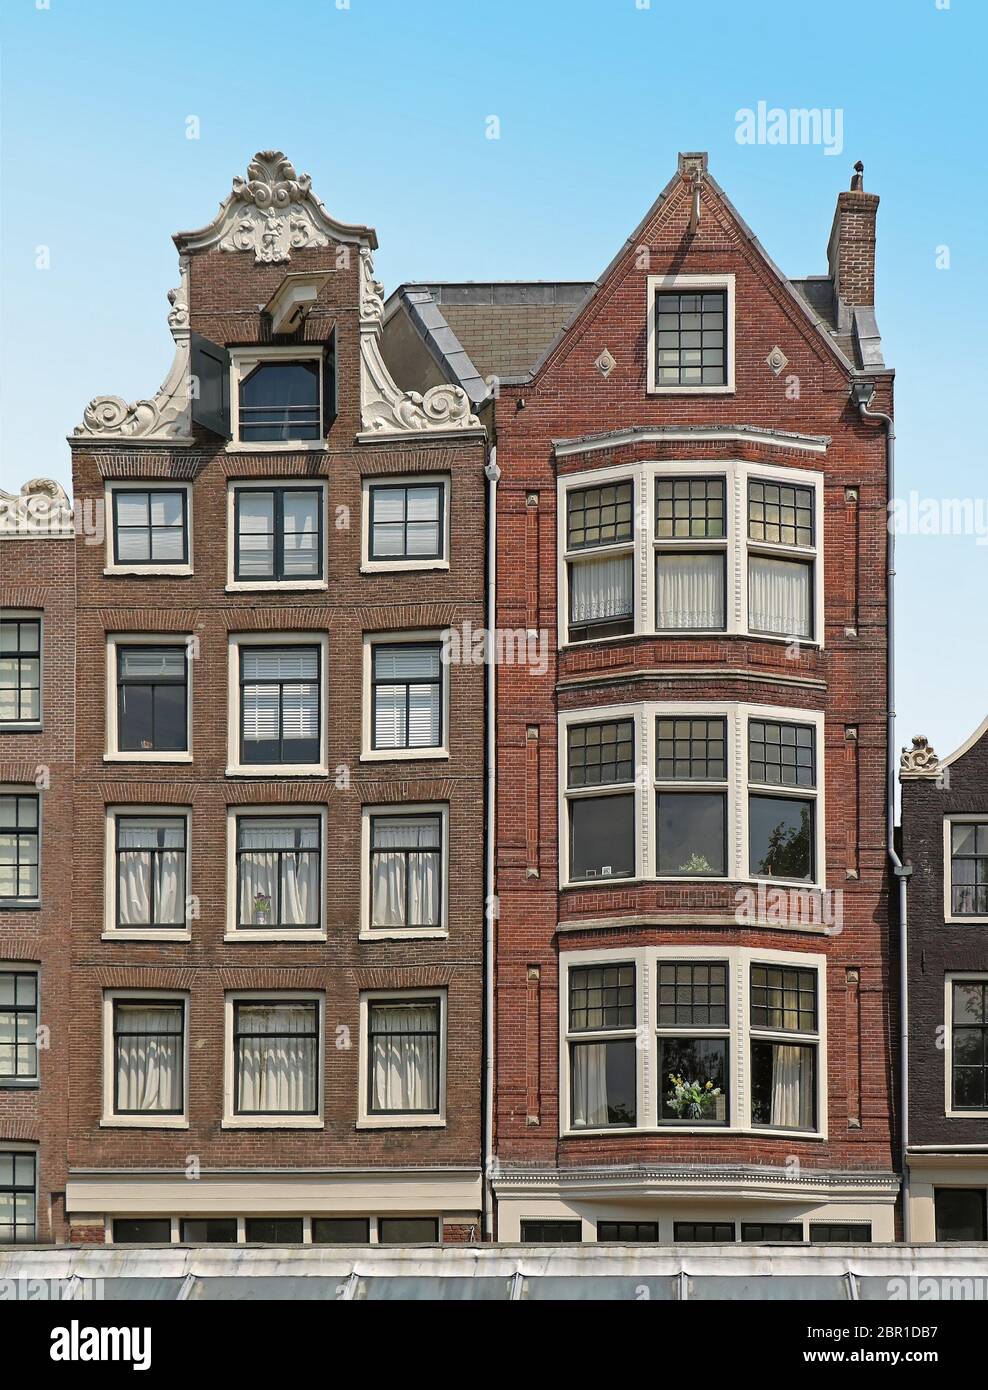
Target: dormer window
(280,400)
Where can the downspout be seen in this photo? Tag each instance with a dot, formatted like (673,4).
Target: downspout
(864,393)
(493,474)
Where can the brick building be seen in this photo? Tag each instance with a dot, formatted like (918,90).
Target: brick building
(37,729)
(277,971)
(692,787)
(945,844)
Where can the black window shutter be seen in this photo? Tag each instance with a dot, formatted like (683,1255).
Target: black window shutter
(210,386)
(329,384)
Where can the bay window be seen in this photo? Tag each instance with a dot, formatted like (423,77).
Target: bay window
(602,1043)
(690,576)
(784,1045)
(691,825)
(693,1042)
(781,827)
(600,799)
(780,579)
(600,561)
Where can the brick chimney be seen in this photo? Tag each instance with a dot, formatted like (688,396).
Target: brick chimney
(851,249)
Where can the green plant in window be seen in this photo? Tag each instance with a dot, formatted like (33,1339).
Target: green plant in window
(697,864)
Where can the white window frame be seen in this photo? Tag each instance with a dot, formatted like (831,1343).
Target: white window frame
(237,586)
(286,811)
(951,978)
(687,284)
(370,566)
(25,1083)
(114,640)
(415,638)
(238,640)
(110,1119)
(28,615)
(737,473)
(153,567)
(963,919)
(32,790)
(650,1084)
(367,1119)
(242,363)
(231,1120)
(737,715)
(417,808)
(111,932)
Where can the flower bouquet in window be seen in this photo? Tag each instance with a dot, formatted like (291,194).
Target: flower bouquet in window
(262,907)
(691,1100)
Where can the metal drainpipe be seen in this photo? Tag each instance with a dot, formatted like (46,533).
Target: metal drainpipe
(902,871)
(493,474)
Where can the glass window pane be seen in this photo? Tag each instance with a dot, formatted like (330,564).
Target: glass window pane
(599,515)
(781,754)
(780,596)
(691,749)
(783,998)
(601,753)
(280,400)
(783,1085)
(692,994)
(781,837)
(602,837)
(601,597)
(694,1081)
(690,590)
(960,1213)
(685,323)
(603,1081)
(692,834)
(602,996)
(698,514)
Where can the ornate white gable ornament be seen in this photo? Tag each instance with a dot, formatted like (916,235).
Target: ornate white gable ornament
(41,508)
(920,760)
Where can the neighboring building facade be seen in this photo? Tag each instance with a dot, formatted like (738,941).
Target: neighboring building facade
(945,842)
(692,509)
(277,973)
(37,729)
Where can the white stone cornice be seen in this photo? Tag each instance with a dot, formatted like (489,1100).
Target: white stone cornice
(698,1179)
(691,434)
(41,508)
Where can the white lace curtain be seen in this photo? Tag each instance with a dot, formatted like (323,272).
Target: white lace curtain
(404,1057)
(276,1059)
(589,1062)
(600,589)
(146,878)
(260,876)
(779,596)
(149,1057)
(405,869)
(690,590)
(792,1086)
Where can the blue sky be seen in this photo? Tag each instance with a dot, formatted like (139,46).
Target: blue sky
(386,103)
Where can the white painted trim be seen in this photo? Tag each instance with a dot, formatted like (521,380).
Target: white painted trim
(650,1086)
(150,1120)
(236,640)
(288,812)
(31,615)
(737,473)
(375,639)
(413,808)
(963,919)
(30,789)
(736,786)
(369,566)
(111,932)
(951,978)
(698,283)
(153,568)
(231,1120)
(241,586)
(145,639)
(242,363)
(366,1119)
(698,434)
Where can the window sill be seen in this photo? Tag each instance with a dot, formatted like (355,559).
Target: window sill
(389,755)
(727,390)
(402,1122)
(276,770)
(151,571)
(691,634)
(14,1083)
(146,934)
(716,1131)
(140,1122)
(966,1114)
(401,566)
(276,446)
(402,934)
(145,758)
(273,1122)
(274,586)
(13,905)
(249,934)
(27,727)
(972,921)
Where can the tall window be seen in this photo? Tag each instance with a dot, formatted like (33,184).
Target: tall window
(969,868)
(280,401)
(602,1044)
(18,1198)
(279,705)
(784,1046)
(151,858)
(406,871)
(780,565)
(691,338)
(600,799)
(406,695)
(690,553)
(150,527)
(693,1041)
(403,1056)
(18,1026)
(152,699)
(600,533)
(691,797)
(406,521)
(969,1044)
(148,1057)
(276,1057)
(278,872)
(20,848)
(20,669)
(278,533)
(782,824)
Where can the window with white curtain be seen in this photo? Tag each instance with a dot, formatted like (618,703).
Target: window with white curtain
(602,1042)
(277,534)
(407,695)
(148,1057)
(278,872)
(600,560)
(151,860)
(781,534)
(406,871)
(276,1057)
(784,1044)
(280,704)
(690,553)
(403,1054)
